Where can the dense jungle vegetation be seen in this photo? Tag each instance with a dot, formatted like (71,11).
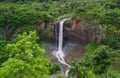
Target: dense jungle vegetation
(27,25)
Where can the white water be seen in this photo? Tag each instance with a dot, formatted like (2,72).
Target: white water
(60,54)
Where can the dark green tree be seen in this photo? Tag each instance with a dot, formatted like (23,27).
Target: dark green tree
(3,53)
(102,59)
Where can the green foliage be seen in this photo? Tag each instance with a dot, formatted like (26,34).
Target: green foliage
(19,1)
(55,68)
(60,77)
(102,59)
(23,1)
(18,68)
(112,36)
(3,53)
(21,15)
(80,69)
(109,16)
(111,73)
(15,15)
(97,63)
(26,29)
(113,43)
(100,10)
(90,48)
(18,16)
(27,59)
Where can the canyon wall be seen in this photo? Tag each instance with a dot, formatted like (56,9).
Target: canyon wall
(84,32)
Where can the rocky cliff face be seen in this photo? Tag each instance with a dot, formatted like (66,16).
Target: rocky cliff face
(84,32)
(75,30)
(45,30)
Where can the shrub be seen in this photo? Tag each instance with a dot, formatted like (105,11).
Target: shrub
(102,59)
(97,63)
(80,71)
(55,68)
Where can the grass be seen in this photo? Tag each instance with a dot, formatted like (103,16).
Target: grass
(111,73)
(90,48)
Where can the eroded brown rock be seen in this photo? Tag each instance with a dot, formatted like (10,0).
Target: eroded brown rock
(84,32)
(45,29)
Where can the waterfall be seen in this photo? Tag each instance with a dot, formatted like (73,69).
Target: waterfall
(60,54)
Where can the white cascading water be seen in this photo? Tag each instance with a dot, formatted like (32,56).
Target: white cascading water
(60,54)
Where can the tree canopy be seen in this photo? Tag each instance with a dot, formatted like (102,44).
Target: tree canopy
(27,59)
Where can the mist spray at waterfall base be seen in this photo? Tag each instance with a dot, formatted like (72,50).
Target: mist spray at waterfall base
(59,53)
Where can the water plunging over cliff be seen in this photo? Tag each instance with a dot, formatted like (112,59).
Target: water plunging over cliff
(59,53)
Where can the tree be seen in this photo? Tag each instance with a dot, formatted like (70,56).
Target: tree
(27,59)
(97,63)
(102,59)
(82,68)
(3,53)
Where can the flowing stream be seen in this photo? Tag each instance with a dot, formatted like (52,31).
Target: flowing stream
(60,54)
